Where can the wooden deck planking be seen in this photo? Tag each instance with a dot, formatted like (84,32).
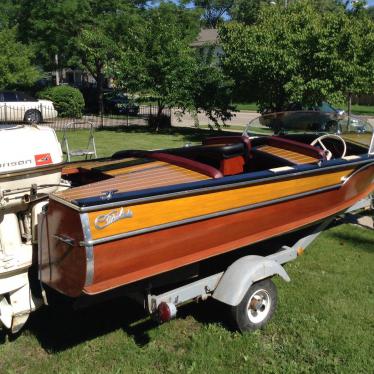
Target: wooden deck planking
(292,156)
(155,174)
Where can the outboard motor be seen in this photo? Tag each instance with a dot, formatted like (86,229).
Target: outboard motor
(30,169)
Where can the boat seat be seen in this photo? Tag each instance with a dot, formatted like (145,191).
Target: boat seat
(234,153)
(231,140)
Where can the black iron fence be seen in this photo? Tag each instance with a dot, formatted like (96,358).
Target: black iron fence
(38,113)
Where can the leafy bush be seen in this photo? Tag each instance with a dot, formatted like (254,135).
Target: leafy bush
(68,101)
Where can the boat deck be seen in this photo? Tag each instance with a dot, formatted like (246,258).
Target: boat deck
(292,156)
(128,175)
(141,170)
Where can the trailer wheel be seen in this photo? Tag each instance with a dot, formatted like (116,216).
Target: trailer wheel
(257,307)
(33,116)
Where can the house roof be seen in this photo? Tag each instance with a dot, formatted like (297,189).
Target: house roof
(206,36)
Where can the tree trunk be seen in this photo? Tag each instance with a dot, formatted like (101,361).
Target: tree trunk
(349,104)
(99,91)
(160,108)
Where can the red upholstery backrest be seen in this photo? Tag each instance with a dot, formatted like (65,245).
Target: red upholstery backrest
(199,167)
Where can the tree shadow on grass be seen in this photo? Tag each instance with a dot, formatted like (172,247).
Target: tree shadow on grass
(208,312)
(355,241)
(58,329)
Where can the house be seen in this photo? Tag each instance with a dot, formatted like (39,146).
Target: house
(208,42)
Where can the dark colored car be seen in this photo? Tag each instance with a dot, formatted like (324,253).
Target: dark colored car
(321,107)
(311,121)
(119,103)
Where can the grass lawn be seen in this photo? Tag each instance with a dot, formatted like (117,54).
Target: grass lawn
(324,322)
(362,109)
(114,139)
(246,106)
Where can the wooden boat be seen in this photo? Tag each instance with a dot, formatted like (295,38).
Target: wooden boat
(138,214)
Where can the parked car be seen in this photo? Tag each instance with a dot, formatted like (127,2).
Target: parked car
(329,117)
(324,107)
(311,121)
(20,107)
(119,103)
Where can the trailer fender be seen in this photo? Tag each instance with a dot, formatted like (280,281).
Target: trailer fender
(242,274)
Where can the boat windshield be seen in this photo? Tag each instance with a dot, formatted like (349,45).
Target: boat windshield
(353,129)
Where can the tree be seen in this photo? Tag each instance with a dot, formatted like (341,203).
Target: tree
(16,68)
(211,91)
(247,11)
(370,12)
(358,5)
(52,26)
(297,54)
(165,64)
(8,13)
(107,37)
(81,33)
(214,11)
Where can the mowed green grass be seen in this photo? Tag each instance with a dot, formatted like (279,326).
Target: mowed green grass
(324,322)
(115,139)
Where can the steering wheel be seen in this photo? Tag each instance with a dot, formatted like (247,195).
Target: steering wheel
(329,136)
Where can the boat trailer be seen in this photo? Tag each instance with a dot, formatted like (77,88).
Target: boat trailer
(246,286)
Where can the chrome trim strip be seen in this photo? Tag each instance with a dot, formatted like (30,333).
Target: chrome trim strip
(89,249)
(211,189)
(371,147)
(64,202)
(207,216)
(346,180)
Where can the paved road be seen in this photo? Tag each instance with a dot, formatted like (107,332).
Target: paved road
(240,118)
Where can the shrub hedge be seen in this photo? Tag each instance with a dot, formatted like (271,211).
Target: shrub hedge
(68,101)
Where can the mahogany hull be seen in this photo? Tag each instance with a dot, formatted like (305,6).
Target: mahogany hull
(100,259)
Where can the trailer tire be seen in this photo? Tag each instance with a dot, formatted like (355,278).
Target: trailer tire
(257,306)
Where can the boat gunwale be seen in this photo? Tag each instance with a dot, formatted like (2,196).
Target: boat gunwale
(219,184)
(243,208)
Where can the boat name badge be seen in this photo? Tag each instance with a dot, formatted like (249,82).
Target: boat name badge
(104,220)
